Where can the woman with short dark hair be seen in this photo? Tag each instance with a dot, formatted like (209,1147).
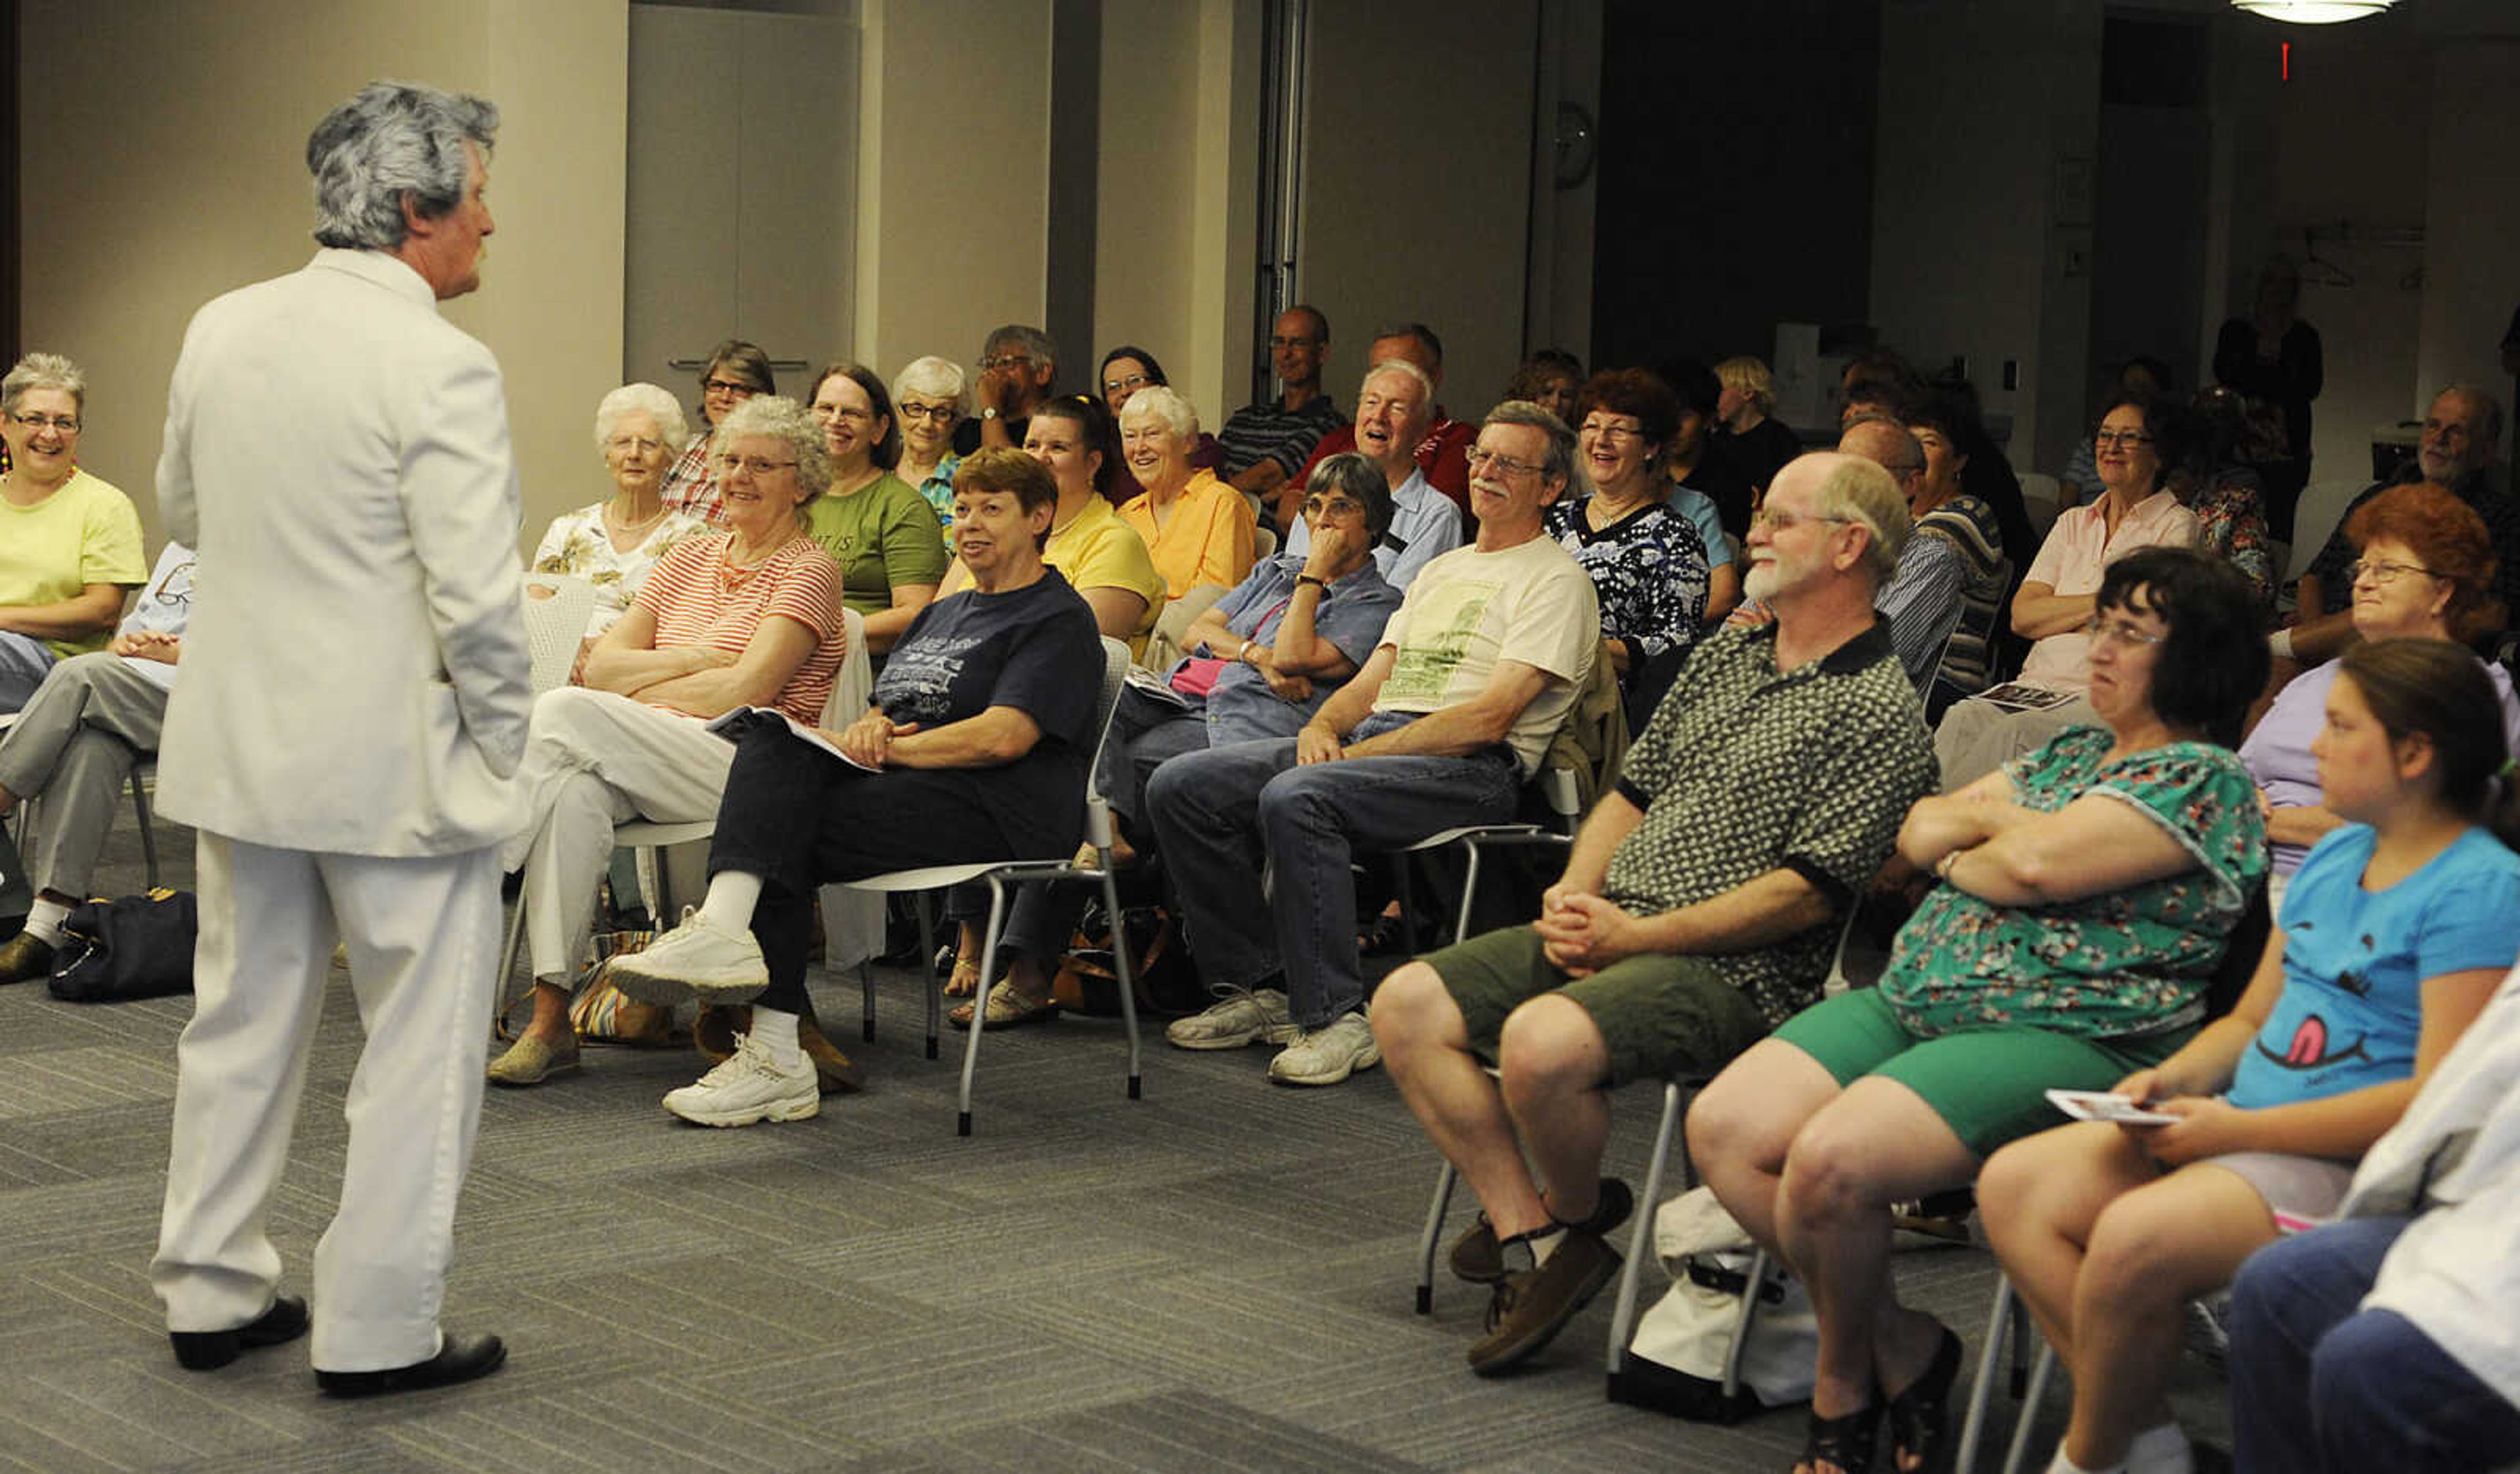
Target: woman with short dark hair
(736,372)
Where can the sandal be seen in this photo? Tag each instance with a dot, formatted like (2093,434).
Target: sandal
(1920,1417)
(1389,933)
(1006,1011)
(1847,1442)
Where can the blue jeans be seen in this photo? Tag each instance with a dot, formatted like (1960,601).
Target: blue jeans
(1226,816)
(25,662)
(2317,1384)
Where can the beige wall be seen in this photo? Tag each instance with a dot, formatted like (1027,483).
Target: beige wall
(159,208)
(1416,183)
(953,176)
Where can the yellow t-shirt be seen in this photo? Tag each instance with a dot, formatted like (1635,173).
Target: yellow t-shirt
(1206,537)
(85,533)
(1097,550)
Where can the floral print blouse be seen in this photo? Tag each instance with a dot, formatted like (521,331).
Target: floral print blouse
(578,543)
(1649,569)
(2123,963)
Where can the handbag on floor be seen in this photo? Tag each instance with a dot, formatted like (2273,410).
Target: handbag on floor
(601,1013)
(131,948)
(1158,968)
(1675,1362)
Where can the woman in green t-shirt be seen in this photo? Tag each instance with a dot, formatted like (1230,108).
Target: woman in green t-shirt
(877,526)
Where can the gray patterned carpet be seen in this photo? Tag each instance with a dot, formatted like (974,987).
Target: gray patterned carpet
(1214,1278)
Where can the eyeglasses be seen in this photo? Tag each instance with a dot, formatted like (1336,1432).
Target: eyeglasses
(2124,632)
(2107,438)
(2382,574)
(754,465)
(1133,381)
(727,387)
(1787,522)
(634,442)
(62,422)
(1006,360)
(849,412)
(1333,507)
(1607,429)
(942,414)
(1478,456)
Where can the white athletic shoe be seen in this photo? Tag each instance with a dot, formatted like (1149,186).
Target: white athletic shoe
(697,959)
(749,1087)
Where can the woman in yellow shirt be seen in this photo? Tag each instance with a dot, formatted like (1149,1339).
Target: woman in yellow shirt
(1197,528)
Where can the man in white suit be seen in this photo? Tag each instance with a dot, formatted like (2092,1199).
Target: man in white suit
(352,712)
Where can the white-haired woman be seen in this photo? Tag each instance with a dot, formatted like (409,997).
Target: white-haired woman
(69,542)
(932,396)
(612,544)
(749,616)
(1197,528)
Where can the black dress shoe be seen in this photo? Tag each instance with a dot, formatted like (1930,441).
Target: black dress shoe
(459,1359)
(25,957)
(210,1350)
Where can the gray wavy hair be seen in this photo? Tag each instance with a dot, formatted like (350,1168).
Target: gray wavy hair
(1161,403)
(936,379)
(43,370)
(392,140)
(643,399)
(777,417)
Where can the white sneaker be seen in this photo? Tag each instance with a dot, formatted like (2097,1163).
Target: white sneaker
(1328,1055)
(746,1086)
(1246,1018)
(697,959)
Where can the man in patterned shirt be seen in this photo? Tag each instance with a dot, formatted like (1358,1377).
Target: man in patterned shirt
(1697,911)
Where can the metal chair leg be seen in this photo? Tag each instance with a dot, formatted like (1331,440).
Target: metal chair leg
(2022,1429)
(148,839)
(1981,1402)
(1640,1239)
(981,1001)
(928,960)
(1751,1289)
(1436,1208)
(1128,983)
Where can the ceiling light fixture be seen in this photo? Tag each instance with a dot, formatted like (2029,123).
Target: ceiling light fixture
(2314,11)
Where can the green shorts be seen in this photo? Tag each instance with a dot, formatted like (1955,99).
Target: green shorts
(1990,1086)
(1661,1016)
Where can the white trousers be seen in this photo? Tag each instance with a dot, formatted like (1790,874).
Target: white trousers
(594,761)
(423,936)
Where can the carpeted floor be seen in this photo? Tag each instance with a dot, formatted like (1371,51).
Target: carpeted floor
(1216,1277)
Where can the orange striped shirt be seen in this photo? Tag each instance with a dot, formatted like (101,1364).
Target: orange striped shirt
(697,600)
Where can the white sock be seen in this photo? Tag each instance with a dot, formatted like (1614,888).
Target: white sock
(2160,1451)
(44,919)
(777,1032)
(1545,1244)
(2060,1464)
(732,895)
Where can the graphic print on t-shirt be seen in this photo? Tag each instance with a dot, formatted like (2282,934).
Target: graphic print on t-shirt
(919,679)
(1439,638)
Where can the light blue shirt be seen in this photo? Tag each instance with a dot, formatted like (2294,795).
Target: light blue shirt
(1424,523)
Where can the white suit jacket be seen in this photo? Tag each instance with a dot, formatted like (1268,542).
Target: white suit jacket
(355,673)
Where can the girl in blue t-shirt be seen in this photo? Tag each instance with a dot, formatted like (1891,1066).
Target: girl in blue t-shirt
(2394,932)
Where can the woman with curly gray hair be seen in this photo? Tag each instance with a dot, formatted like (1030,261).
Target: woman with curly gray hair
(746,617)
(613,543)
(72,541)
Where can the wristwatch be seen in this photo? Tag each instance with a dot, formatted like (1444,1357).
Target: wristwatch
(989,412)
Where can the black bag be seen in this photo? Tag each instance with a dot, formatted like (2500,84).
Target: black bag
(132,947)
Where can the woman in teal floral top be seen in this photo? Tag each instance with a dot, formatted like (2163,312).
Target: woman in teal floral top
(2088,891)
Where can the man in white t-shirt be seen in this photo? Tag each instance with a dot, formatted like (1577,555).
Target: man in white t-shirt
(1440,728)
(73,748)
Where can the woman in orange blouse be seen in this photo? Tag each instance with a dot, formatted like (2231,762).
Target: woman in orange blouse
(1197,527)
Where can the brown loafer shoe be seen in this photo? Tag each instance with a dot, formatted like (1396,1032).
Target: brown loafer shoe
(25,957)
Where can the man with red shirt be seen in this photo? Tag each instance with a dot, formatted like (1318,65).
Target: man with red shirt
(1442,454)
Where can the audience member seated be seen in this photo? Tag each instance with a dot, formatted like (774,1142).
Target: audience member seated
(1268,440)
(1102,557)
(72,542)
(2055,605)
(1197,529)
(2223,490)
(72,749)
(1441,445)
(1125,371)
(2143,376)
(875,525)
(1922,599)
(612,544)
(1017,371)
(1262,661)
(2385,1340)
(1695,911)
(1649,563)
(930,397)
(1552,379)
(1942,424)
(974,748)
(737,371)
(2461,429)
(2390,940)
(2087,893)
(2422,574)
(1746,429)
(1391,418)
(746,618)
(1880,381)
(1701,475)
(1455,710)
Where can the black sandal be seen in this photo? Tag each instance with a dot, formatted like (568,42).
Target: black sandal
(1848,1443)
(1920,1417)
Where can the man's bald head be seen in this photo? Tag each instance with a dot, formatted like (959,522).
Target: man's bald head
(1888,444)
